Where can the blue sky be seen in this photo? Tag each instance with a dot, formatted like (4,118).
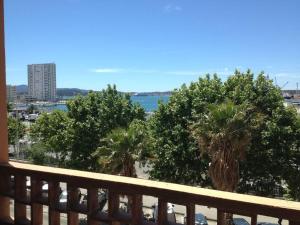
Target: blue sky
(152,45)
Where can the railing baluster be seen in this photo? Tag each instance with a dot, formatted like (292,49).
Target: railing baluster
(190,214)
(92,204)
(291,222)
(4,201)
(254,220)
(20,194)
(36,209)
(113,206)
(220,217)
(72,201)
(162,218)
(53,199)
(137,210)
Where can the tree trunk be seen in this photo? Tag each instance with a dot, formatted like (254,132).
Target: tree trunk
(224,172)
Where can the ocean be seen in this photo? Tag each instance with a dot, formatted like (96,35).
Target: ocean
(149,103)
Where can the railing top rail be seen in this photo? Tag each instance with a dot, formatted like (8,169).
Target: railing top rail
(176,193)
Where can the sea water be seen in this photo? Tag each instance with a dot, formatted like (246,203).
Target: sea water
(148,102)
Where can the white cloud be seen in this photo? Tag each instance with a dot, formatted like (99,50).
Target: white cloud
(144,71)
(221,72)
(172,8)
(106,70)
(224,72)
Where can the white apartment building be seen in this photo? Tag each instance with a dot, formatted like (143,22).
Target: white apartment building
(11,93)
(42,81)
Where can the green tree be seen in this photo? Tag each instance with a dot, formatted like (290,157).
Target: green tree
(52,132)
(274,133)
(177,156)
(16,130)
(122,148)
(9,107)
(292,168)
(273,136)
(223,133)
(39,154)
(92,117)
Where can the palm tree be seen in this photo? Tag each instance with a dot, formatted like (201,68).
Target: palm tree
(122,148)
(223,133)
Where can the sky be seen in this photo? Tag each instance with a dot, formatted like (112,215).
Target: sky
(152,45)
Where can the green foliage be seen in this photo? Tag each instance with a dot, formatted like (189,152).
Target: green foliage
(177,156)
(9,107)
(74,136)
(223,132)
(92,117)
(39,154)
(274,133)
(122,148)
(292,168)
(53,133)
(16,130)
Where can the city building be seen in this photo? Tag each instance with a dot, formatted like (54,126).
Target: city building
(11,93)
(42,81)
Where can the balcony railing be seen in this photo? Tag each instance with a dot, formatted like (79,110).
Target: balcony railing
(13,187)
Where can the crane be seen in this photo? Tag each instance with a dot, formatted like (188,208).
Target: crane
(284,85)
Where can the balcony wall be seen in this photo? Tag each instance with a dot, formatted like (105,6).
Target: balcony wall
(13,187)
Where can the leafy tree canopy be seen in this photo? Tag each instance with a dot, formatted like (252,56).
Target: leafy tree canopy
(16,130)
(293,168)
(9,107)
(223,133)
(74,136)
(122,148)
(177,156)
(92,117)
(52,133)
(274,132)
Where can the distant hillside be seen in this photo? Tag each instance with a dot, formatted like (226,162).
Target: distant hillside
(60,92)
(22,89)
(70,92)
(157,93)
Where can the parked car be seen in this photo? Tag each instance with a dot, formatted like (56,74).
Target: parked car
(44,186)
(32,117)
(200,219)
(240,221)
(63,198)
(102,199)
(264,223)
(170,213)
